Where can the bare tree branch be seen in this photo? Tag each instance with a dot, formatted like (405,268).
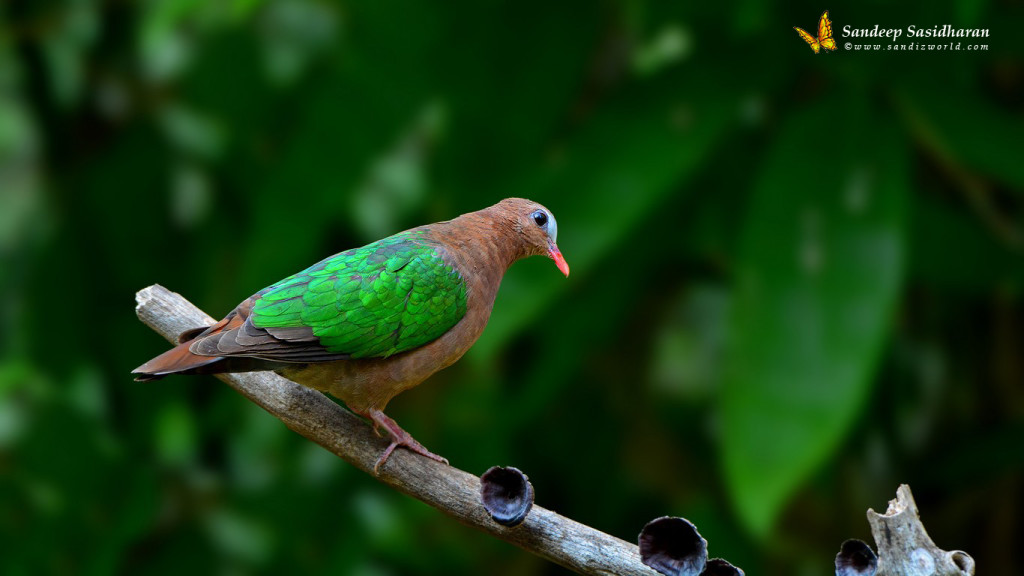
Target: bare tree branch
(450,490)
(904,547)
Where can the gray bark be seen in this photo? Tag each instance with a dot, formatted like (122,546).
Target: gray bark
(905,549)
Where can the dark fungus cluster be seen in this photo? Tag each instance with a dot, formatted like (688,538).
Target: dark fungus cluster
(670,545)
(856,558)
(507,495)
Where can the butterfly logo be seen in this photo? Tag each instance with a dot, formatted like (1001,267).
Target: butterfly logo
(824,41)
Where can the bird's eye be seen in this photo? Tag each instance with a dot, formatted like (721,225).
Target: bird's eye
(540,217)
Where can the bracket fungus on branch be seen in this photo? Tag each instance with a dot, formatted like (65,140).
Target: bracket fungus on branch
(720,567)
(856,558)
(507,495)
(672,546)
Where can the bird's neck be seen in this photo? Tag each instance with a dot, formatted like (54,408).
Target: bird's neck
(485,244)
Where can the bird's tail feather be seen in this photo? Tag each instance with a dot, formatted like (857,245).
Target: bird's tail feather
(179,360)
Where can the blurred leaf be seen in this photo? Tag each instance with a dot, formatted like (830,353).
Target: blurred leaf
(164,49)
(65,46)
(21,201)
(85,392)
(350,116)
(20,386)
(254,455)
(176,434)
(397,181)
(380,519)
(749,17)
(686,361)
(512,92)
(317,466)
(191,132)
(670,45)
(953,250)
(240,536)
(191,195)
(969,12)
(818,273)
(629,160)
(294,32)
(961,127)
(169,32)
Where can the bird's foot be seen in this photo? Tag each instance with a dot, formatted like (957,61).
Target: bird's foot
(399,437)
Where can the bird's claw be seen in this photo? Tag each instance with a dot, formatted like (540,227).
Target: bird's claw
(414,446)
(399,437)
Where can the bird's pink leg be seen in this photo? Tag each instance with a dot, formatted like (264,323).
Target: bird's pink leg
(399,437)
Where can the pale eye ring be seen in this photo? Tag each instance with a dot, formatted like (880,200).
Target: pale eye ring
(540,217)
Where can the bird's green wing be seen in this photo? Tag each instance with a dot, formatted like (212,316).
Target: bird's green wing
(387,297)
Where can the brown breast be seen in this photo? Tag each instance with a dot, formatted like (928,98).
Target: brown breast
(481,245)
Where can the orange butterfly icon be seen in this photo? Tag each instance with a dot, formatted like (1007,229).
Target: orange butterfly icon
(824,39)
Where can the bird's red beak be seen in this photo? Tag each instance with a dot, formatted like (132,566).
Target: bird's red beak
(555,255)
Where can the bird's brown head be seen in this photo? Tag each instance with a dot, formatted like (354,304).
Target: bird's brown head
(535,228)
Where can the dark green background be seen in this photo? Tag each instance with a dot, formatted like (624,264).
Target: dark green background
(796,278)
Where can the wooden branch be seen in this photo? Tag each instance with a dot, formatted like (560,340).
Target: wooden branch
(905,549)
(450,490)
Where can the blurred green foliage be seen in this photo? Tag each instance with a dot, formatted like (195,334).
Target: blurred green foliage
(796,278)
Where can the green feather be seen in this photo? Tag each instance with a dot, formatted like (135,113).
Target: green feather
(387,297)
(322,284)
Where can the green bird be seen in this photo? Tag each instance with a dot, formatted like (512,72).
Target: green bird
(371,322)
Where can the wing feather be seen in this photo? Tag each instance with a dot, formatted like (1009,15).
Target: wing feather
(382,299)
